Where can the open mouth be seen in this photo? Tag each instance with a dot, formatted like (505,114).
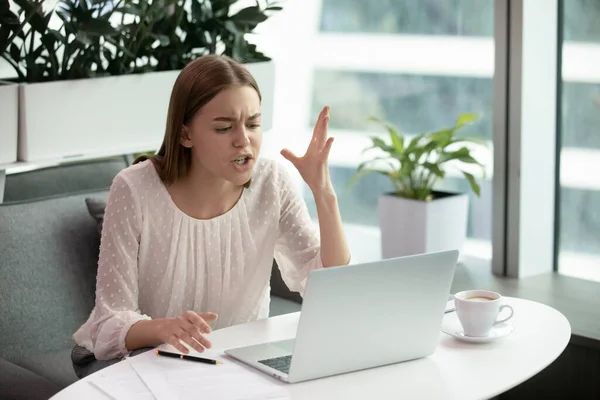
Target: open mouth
(242,160)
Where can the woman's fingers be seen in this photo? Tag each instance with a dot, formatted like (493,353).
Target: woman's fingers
(198,321)
(209,316)
(320,131)
(195,326)
(189,339)
(327,149)
(174,341)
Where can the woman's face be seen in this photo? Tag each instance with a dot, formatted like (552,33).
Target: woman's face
(225,135)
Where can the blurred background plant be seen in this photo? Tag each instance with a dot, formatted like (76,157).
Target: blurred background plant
(415,166)
(83,39)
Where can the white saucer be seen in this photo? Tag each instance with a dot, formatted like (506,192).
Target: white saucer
(451,326)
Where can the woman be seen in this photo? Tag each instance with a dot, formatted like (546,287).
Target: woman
(189,234)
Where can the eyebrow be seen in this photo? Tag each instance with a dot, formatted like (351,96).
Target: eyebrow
(229,119)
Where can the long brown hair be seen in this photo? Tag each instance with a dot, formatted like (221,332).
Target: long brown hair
(197,84)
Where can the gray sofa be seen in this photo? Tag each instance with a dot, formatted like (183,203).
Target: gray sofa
(49,245)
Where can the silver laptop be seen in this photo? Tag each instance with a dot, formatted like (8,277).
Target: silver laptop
(361,316)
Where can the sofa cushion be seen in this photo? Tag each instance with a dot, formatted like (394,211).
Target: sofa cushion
(17,383)
(56,367)
(96,209)
(48,262)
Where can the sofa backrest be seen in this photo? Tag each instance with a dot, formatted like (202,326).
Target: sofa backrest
(48,260)
(63,179)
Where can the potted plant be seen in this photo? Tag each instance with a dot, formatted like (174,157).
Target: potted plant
(416,217)
(111,66)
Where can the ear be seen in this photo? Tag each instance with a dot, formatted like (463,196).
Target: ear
(185,138)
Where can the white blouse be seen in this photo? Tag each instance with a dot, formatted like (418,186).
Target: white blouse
(156,261)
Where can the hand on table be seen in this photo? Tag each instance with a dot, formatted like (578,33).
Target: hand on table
(313,165)
(190,328)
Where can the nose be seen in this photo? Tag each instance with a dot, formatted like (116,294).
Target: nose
(241,138)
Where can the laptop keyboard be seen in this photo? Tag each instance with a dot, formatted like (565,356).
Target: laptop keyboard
(279,363)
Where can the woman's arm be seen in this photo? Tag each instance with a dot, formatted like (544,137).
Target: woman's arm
(334,247)
(314,170)
(116,308)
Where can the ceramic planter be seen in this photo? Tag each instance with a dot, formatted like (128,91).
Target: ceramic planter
(106,116)
(9,122)
(414,227)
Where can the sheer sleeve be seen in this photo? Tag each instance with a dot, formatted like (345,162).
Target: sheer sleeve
(297,249)
(116,307)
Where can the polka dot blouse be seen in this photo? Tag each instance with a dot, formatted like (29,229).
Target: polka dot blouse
(156,261)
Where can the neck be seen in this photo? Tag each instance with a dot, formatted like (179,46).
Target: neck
(202,195)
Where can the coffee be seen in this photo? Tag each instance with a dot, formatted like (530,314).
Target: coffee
(479,298)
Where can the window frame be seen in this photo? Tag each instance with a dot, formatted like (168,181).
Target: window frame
(525,137)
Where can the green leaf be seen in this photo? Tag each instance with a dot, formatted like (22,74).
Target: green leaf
(442,138)
(407,167)
(463,154)
(397,140)
(83,4)
(97,27)
(49,41)
(468,159)
(465,119)
(431,146)
(63,15)
(249,17)
(15,53)
(435,169)
(57,35)
(4,7)
(414,143)
(474,185)
(4,34)
(380,144)
(9,18)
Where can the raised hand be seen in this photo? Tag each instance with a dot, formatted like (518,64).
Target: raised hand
(313,165)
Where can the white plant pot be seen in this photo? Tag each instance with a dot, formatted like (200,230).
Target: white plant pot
(415,227)
(9,122)
(106,116)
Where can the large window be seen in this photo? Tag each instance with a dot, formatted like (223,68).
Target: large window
(420,63)
(579,198)
(417,64)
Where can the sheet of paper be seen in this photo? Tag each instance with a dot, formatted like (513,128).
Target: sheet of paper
(170,378)
(122,385)
(149,377)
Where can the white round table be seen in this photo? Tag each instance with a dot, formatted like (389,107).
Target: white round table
(456,370)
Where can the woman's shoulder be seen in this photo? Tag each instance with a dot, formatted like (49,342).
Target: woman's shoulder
(136,176)
(272,178)
(270,172)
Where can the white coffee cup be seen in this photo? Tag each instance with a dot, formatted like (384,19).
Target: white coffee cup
(478,311)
